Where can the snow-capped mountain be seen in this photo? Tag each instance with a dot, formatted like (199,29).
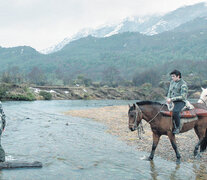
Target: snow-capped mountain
(148,25)
(59,46)
(131,24)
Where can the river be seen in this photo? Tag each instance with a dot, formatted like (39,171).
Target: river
(77,148)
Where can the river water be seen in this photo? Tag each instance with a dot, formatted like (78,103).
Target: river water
(77,148)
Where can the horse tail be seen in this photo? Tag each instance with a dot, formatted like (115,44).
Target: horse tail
(204,143)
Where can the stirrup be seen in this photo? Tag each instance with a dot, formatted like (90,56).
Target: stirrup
(176,131)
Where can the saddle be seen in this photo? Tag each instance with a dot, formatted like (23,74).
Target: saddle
(188,113)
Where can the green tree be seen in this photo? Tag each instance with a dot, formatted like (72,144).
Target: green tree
(37,76)
(149,76)
(6,77)
(111,75)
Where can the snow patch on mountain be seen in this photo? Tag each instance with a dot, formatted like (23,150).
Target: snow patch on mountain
(136,19)
(115,31)
(154,29)
(83,33)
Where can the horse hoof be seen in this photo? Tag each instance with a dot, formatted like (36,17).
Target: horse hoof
(178,161)
(198,156)
(195,153)
(149,158)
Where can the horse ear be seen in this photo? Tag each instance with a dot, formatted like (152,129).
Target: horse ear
(202,88)
(129,105)
(136,106)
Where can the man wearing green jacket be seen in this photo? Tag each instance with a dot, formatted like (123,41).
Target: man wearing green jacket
(177,94)
(2,126)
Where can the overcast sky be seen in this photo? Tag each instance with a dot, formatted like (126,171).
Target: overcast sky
(43,23)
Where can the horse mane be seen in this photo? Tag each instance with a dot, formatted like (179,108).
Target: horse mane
(148,103)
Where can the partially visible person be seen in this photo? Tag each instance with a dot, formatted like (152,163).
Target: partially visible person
(2,126)
(177,94)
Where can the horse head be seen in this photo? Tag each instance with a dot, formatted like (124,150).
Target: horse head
(203,97)
(135,116)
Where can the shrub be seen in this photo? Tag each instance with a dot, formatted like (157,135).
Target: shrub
(21,97)
(3,90)
(46,95)
(86,97)
(96,84)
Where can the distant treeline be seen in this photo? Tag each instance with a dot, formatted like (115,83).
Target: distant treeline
(193,72)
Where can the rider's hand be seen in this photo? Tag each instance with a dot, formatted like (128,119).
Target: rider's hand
(168,100)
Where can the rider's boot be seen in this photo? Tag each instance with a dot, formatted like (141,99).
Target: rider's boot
(176,130)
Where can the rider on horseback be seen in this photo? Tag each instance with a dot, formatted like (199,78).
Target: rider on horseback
(177,94)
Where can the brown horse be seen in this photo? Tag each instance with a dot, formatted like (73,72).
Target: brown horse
(163,125)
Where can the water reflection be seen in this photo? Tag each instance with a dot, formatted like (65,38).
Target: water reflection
(200,171)
(154,172)
(1,176)
(178,171)
(173,175)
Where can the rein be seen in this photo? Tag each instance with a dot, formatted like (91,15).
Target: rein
(156,114)
(140,128)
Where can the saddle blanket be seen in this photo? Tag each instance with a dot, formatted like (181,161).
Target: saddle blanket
(188,113)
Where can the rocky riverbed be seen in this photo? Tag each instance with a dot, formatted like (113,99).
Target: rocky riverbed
(116,119)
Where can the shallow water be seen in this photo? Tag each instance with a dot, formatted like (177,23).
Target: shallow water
(77,148)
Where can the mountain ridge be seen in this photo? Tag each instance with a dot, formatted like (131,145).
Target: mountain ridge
(148,25)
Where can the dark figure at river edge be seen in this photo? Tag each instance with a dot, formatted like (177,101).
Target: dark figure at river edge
(2,126)
(177,95)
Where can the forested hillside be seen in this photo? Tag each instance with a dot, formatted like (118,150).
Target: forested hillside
(123,56)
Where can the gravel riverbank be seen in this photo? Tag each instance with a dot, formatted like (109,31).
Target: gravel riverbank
(116,119)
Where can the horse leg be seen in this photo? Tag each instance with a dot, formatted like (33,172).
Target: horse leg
(203,145)
(201,136)
(195,152)
(171,136)
(156,139)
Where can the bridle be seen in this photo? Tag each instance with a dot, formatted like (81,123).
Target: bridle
(137,114)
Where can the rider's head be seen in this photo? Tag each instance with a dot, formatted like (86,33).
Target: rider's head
(176,72)
(175,75)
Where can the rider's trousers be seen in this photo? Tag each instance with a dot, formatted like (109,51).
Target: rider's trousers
(178,106)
